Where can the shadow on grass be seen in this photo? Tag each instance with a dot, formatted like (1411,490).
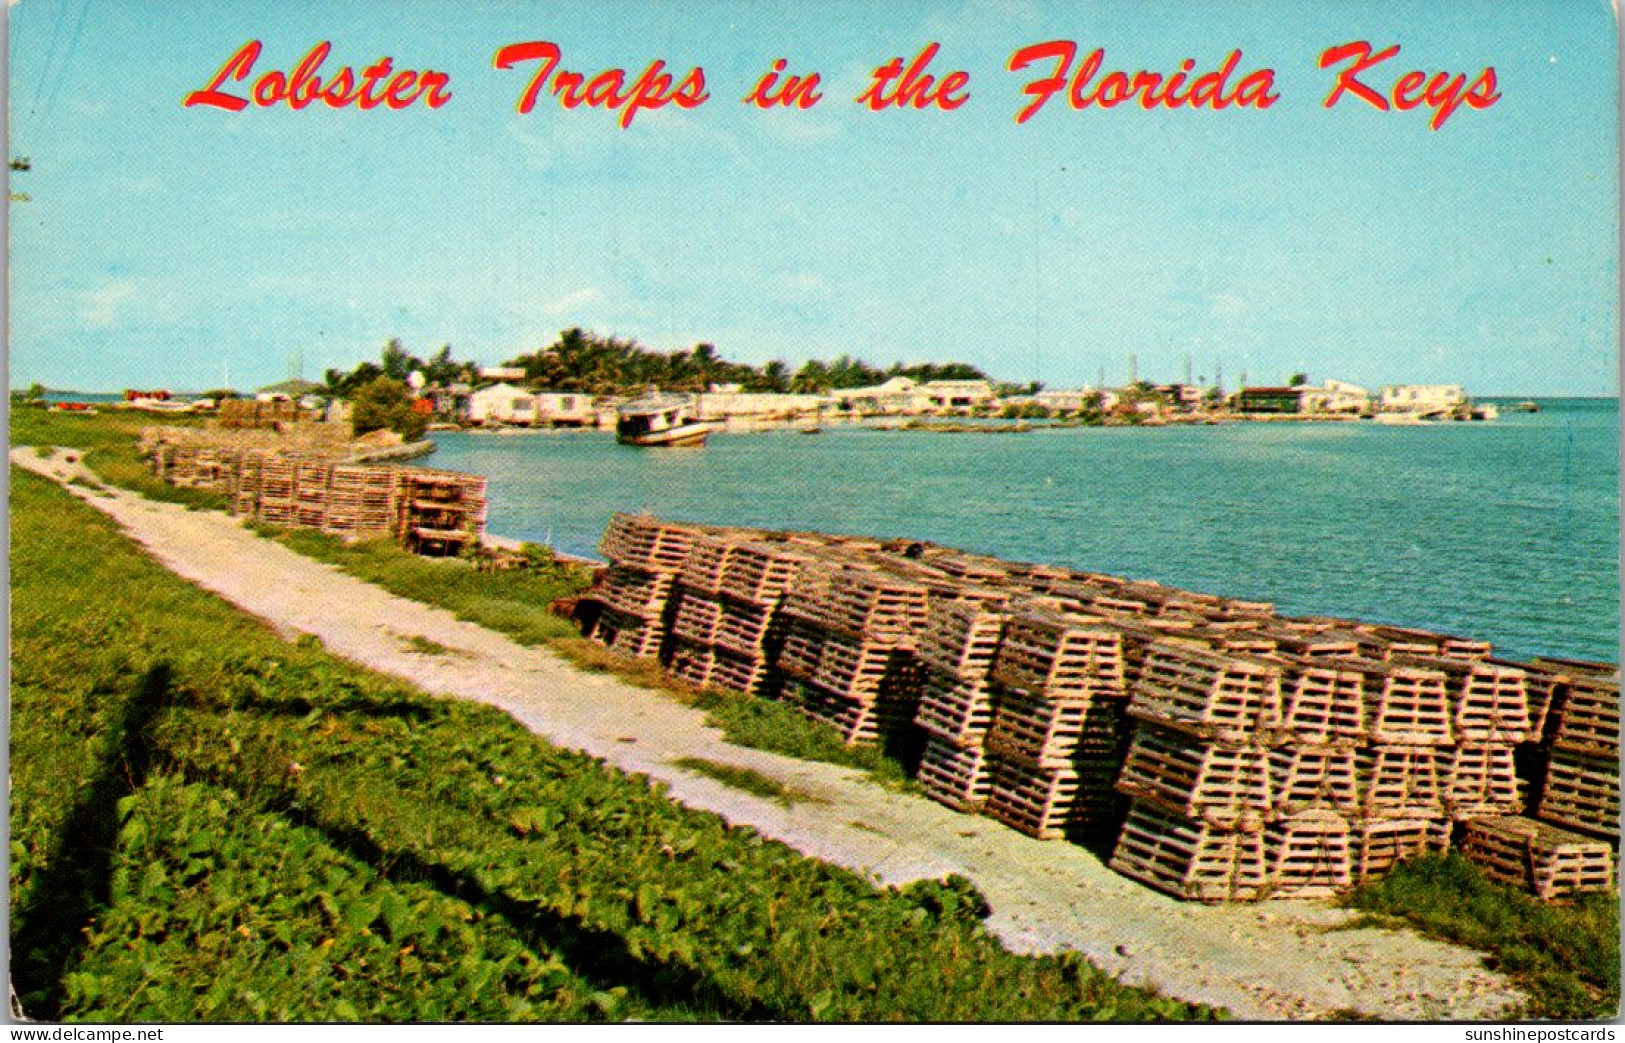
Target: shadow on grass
(48,935)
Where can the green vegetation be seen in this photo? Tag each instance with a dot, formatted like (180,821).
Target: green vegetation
(748,781)
(426,646)
(386,404)
(209,822)
(515,602)
(109,443)
(583,361)
(512,601)
(397,364)
(1565,956)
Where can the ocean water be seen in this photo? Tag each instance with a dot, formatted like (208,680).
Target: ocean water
(1505,531)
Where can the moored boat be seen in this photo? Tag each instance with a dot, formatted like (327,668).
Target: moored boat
(660,420)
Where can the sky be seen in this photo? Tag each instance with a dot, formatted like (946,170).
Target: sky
(153,244)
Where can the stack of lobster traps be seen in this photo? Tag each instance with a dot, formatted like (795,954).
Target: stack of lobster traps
(361,501)
(1055,740)
(645,556)
(1227,753)
(439,512)
(428,511)
(956,651)
(726,611)
(848,647)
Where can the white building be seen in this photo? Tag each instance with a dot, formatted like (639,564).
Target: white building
(502,404)
(720,404)
(565,408)
(1335,396)
(956,394)
(502,373)
(1420,398)
(897,395)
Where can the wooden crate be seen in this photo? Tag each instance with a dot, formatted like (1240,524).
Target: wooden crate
(1224,697)
(1043,732)
(760,573)
(634,591)
(1313,642)
(740,672)
(1383,641)
(690,661)
(695,615)
(1035,801)
(1581,793)
(1321,703)
(1189,859)
(743,629)
(1309,855)
(1044,652)
(707,561)
(1379,844)
(863,669)
(1399,781)
(954,775)
(1311,778)
(1548,690)
(1403,704)
(875,604)
(1588,723)
(858,721)
(977,568)
(960,637)
(800,648)
(955,711)
(629,635)
(1217,784)
(1551,863)
(646,542)
(1488,701)
(1480,779)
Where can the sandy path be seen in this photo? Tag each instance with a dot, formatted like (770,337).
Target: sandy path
(1277,960)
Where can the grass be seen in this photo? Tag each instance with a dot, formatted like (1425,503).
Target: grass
(427,646)
(748,780)
(108,441)
(1566,957)
(211,823)
(513,601)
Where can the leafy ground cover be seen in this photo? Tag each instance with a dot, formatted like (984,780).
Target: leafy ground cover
(209,822)
(1566,957)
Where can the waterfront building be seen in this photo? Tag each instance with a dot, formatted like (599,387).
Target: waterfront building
(1277,400)
(502,404)
(725,401)
(1420,398)
(565,409)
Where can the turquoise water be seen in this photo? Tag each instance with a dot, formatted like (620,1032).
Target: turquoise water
(1507,531)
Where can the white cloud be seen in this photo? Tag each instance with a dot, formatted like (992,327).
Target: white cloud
(573,301)
(101,306)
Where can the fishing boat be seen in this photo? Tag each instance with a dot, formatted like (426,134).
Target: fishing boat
(660,420)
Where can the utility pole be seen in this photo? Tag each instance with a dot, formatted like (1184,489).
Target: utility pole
(1133,369)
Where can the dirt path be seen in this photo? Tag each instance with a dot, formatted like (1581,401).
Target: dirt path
(1277,960)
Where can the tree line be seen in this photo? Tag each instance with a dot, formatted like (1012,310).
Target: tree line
(588,362)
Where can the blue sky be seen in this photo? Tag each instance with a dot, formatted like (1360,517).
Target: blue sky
(170,246)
